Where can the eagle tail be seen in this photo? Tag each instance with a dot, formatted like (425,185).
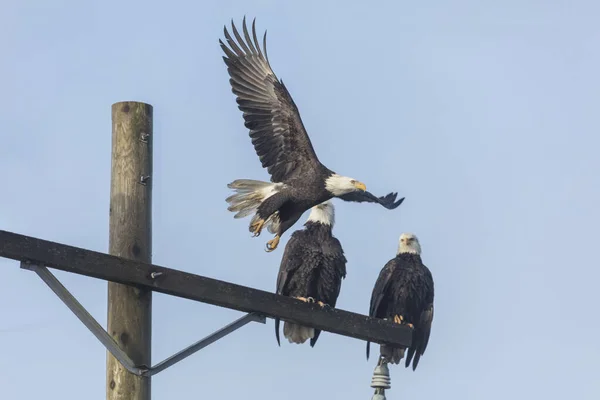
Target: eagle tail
(392,354)
(297,333)
(248,196)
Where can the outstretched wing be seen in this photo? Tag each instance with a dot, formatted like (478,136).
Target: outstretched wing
(387,201)
(379,291)
(276,130)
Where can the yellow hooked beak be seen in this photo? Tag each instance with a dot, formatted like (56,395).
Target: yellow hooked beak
(361,186)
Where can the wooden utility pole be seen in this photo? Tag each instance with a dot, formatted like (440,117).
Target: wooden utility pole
(130,226)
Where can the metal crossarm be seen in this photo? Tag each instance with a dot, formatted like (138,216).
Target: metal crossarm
(200,288)
(86,318)
(38,255)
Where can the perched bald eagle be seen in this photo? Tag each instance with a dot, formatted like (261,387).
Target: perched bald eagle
(312,269)
(298,179)
(404,292)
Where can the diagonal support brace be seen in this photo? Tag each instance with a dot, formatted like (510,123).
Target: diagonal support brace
(202,343)
(86,318)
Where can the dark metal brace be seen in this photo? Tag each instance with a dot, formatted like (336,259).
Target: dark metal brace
(112,346)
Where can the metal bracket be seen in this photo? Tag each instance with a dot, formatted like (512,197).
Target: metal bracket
(112,346)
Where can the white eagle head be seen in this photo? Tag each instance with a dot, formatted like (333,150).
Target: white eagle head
(409,243)
(340,185)
(323,213)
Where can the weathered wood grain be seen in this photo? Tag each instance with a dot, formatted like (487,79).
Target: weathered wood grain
(130,230)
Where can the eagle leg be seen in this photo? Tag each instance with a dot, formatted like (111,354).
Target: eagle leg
(399,319)
(272,244)
(304,299)
(323,305)
(256,227)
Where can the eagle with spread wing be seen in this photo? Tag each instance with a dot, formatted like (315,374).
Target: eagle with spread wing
(299,180)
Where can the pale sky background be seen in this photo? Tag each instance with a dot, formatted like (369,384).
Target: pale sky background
(483,114)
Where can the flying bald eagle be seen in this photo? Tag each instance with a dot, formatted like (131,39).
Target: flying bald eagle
(312,269)
(298,179)
(404,292)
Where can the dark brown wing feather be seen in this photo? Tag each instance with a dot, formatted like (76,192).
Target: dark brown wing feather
(422,331)
(276,129)
(388,201)
(379,291)
(420,337)
(289,263)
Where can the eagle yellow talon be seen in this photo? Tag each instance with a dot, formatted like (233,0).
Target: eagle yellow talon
(272,244)
(398,319)
(323,305)
(309,300)
(411,326)
(256,227)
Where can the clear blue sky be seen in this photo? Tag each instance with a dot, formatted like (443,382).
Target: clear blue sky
(483,114)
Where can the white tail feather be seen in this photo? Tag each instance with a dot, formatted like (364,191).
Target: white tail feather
(249,196)
(297,333)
